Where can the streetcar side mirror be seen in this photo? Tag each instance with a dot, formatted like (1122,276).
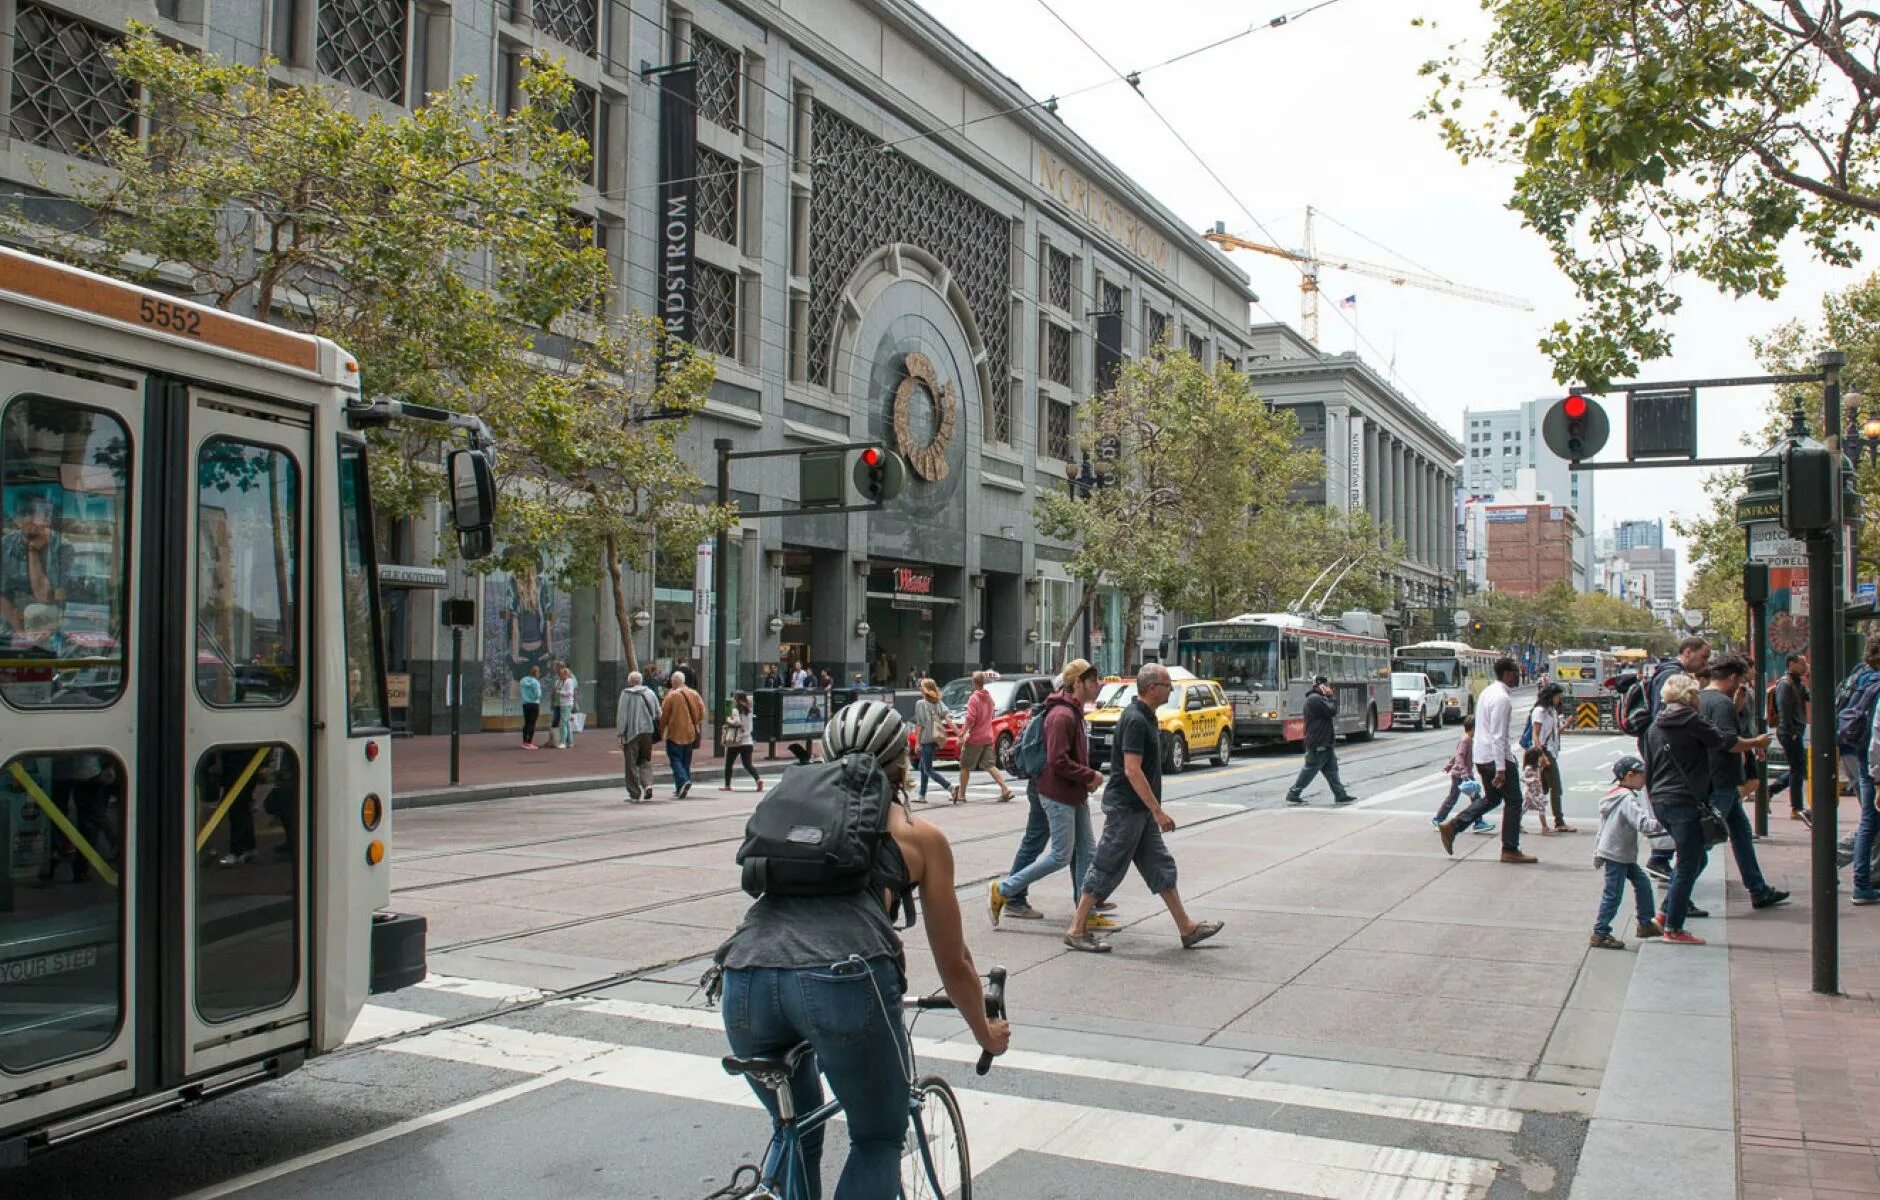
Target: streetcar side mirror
(472,492)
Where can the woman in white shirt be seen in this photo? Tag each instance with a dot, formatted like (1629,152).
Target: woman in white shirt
(1545,721)
(565,692)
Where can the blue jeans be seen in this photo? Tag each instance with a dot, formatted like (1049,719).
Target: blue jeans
(1037,836)
(927,752)
(1681,821)
(1072,842)
(1797,755)
(1865,832)
(1319,761)
(1742,841)
(860,1048)
(679,758)
(1617,875)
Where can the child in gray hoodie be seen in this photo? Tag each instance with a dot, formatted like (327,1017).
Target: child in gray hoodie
(1623,818)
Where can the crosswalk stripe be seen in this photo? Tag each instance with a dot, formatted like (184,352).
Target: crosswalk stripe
(1400,1108)
(1002,1125)
(480,989)
(377,1021)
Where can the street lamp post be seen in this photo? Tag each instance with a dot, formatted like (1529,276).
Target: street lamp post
(1084,480)
(1861,436)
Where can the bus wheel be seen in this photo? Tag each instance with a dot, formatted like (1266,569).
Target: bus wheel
(1370,726)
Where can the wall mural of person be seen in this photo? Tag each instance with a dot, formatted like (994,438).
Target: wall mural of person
(527,623)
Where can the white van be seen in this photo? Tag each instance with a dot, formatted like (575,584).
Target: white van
(1414,700)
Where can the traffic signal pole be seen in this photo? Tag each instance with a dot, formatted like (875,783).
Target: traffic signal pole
(1824,646)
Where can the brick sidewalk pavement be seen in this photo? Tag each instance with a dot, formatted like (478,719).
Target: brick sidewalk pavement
(422,764)
(1808,1066)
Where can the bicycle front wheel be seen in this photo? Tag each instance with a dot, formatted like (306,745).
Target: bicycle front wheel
(935,1165)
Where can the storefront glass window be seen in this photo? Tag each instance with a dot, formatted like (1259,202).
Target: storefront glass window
(528,623)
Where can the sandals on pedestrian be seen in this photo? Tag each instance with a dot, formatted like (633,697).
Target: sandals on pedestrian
(1202,931)
(1087,943)
(1005,797)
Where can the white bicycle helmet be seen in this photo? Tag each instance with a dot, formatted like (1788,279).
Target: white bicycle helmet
(866,727)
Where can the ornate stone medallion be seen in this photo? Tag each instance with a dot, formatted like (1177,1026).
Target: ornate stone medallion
(929,461)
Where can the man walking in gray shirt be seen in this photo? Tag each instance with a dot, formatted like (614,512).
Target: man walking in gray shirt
(636,718)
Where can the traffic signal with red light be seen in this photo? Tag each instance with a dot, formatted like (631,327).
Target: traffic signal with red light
(1575,428)
(879,474)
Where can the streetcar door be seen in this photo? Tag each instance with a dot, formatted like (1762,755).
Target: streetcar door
(72,570)
(243,789)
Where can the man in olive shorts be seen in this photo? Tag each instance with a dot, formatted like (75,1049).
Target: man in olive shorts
(1134,822)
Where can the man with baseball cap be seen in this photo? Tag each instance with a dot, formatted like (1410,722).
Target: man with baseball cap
(1063,791)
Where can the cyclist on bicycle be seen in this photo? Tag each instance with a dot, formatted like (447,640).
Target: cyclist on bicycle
(829,970)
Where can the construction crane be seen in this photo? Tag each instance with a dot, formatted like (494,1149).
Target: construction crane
(1313,262)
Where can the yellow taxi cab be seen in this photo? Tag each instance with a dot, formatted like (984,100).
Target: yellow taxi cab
(1197,720)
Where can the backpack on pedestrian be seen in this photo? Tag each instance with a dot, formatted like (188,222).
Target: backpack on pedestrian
(1028,757)
(1853,708)
(1527,730)
(823,831)
(1632,711)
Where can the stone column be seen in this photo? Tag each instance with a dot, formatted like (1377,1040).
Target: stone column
(1400,496)
(1374,471)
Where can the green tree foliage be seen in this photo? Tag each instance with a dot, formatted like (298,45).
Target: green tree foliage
(1653,140)
(1201,462)
(1290,544)
(441,248)
(1600,621)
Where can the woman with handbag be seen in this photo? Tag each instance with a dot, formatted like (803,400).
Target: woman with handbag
(1678,747)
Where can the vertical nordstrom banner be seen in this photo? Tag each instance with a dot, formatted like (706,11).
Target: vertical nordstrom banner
(678,187)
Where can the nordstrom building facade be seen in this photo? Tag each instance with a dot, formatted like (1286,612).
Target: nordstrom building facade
(890,241)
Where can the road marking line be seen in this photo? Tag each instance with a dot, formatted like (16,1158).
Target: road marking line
(1002,1125)
(480,989)
(364,1141)
(377,1021)
(1423,783)
(1431,1112)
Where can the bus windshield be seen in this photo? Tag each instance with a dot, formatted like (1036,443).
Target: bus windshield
(1239,665)
(1443,672)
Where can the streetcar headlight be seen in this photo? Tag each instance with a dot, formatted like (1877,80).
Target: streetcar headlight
(375,852)
(371,811)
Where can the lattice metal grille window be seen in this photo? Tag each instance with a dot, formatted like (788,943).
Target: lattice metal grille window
(720,76)
(573,23)
(715,310)
(1197,348)
(1058,279)
(717,192)
(578,118)
(1109,297)
(1057,353)
(863,199)
(65,95)
(1000,405)
(1158,328)
(1057,430)
(362,42)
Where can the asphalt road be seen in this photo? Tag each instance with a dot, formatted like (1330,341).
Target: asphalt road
(560,1039)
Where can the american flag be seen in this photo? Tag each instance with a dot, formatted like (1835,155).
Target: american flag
(1349,302)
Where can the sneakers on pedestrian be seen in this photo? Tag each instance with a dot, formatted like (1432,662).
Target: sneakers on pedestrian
(1447,831)
(995,903)
(1104,906)
(1650,929)
(1678,937)
(1086,942)
(1292,799)
(1202,931)
(1661,873)
(1605,941)
(1867,896)
(1341,801)
(1770,899)
(235,860)
(1691,910)
(1515,856)
(1099,921)
(1481,827)
(1019,910)
(1436,822)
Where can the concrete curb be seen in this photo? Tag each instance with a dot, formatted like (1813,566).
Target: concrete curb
(472,793)
(1665,1123)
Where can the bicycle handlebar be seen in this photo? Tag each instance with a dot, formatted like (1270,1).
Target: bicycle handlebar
(995,1007)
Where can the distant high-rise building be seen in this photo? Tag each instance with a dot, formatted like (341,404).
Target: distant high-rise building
(1634,535)
(1499,443)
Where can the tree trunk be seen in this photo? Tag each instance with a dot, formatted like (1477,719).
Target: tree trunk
(622,617)
(1132,631)
(1070,626)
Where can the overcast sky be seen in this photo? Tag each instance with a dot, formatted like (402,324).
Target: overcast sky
(1320,112)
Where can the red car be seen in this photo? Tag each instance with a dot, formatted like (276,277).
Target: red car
(1014,699)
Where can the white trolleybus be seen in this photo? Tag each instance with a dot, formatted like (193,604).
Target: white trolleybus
(1458,670)
(1266,663)
(1583,674)
(194,757)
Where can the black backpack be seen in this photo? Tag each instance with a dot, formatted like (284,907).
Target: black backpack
(823,831)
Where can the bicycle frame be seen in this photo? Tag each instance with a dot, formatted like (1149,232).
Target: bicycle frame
(782,1175)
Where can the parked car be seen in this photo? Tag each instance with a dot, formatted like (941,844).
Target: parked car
(1414,700)
(1196,720)
(1014,699)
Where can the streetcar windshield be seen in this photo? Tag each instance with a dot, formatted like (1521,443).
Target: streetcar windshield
(365,664)
(1239,665)
(1443,672)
